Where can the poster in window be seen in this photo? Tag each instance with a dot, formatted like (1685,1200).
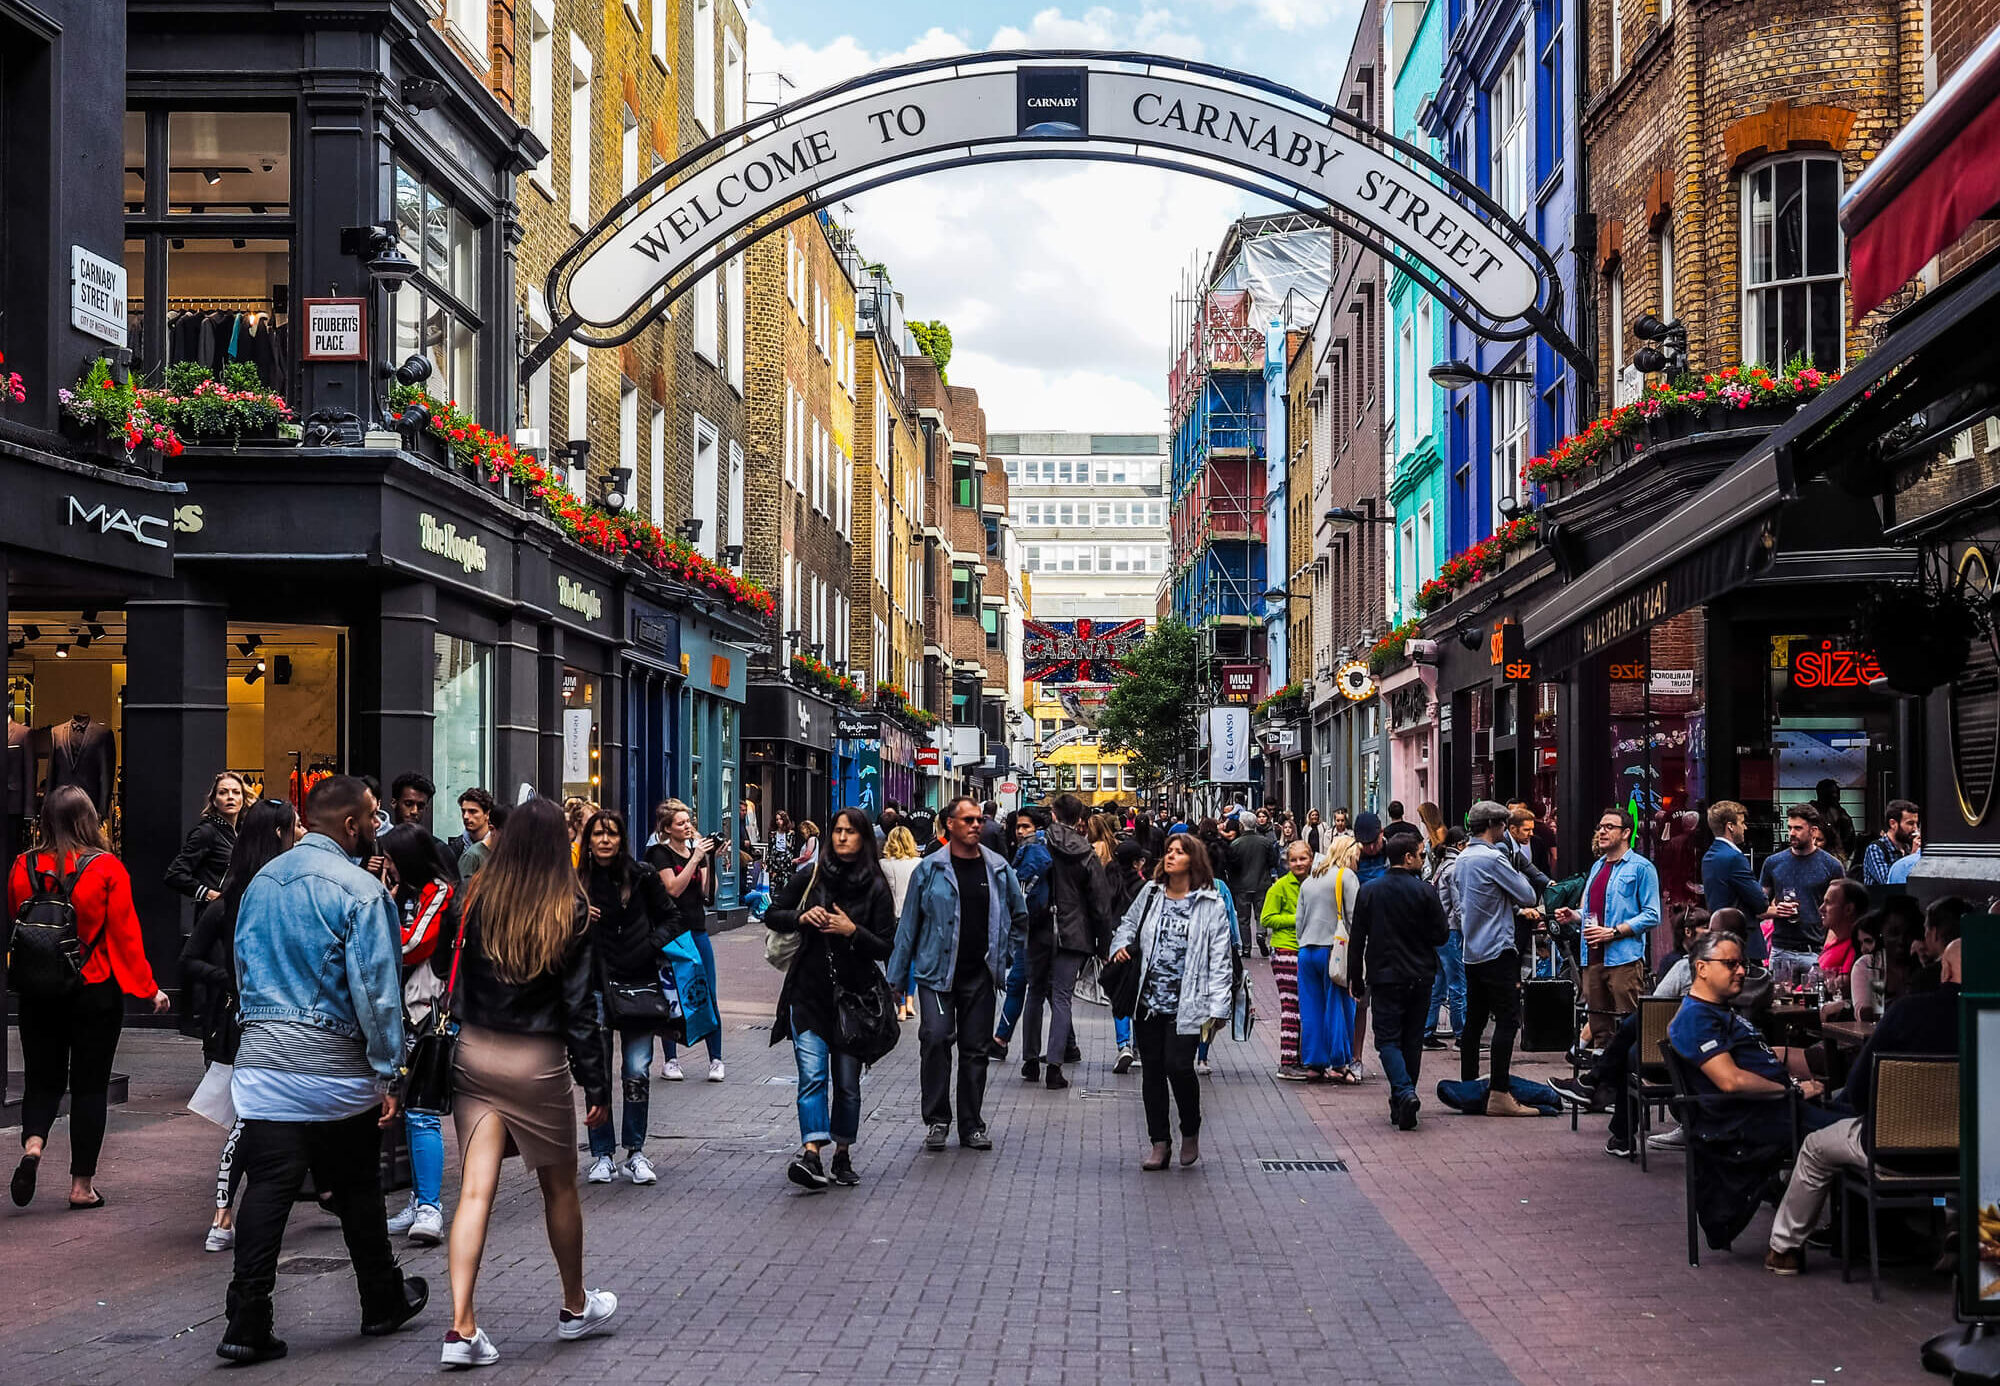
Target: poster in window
(576,745)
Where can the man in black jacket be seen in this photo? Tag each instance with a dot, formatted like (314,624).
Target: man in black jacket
(1253,860)
(1080,913)
(1392,954)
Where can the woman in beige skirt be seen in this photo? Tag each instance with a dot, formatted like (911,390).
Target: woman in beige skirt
(528,1024)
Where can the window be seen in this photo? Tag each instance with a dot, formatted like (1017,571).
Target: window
(1086,777)
(628,151)
(1549,110)
(1624,381)
(1406,386)
(657,32)
(1510,438)
(1663,256)
(581,144)
(462,715)
(791,270)
(578,406)
(736,500)
(1426,544)
(541,85)
(467,19)
(433,310)
(1792,280)
(964,590)
(628,426)
(989,621)
(656,497)
(535,409)
(732,292)
(1507,133)
(1617,24)
(1406,564)
(791,436)
(703,39)
(733,79)
(1422,374)
(1666,12)
(708,318)
(964,482)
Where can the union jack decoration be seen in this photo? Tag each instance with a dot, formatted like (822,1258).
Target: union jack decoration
(1080,651)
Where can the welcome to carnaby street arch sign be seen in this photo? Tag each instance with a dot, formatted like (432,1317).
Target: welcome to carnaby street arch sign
(694,214)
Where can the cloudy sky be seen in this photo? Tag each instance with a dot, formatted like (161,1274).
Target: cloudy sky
(1055,279)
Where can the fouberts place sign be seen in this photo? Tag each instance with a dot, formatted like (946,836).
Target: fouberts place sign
(1003,106)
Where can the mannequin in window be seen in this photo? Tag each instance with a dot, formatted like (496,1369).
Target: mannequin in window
(83,752)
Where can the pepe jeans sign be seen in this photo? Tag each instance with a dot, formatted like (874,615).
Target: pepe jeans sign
(583,600)
(991,102)
(150,530)
(447,543)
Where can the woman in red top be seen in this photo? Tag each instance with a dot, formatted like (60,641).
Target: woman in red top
(69,1041)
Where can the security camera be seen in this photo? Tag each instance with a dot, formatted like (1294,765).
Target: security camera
(1422,651)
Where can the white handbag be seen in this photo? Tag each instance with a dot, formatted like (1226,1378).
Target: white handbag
(1336,962)
(212,1100)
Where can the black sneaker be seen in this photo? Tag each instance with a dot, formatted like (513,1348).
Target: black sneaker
(1125,1057)
(1071,1054)
(843,1170)
(1619,1146)
(934,1135)
(805,1170)
(249,1354)
(1436,1042)
(1055,1081)
(1031,1070)
(1406,1113)
(976,1139)
(416,1294)
(1575,1090)
(996,1050)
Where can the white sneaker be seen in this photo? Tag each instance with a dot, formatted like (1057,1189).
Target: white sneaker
(600,1171)
(640,1170)
(715,1070)
(476,1351)
(1675,1139)
(401,1223)
(673,1071)
(598,1307)
(428,1227)
(1201,1067)
(219,1239)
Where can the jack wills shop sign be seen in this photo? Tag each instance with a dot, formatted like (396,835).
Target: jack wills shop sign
(828,148)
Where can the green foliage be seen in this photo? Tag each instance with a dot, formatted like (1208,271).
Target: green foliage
(1152,712)
(934,341)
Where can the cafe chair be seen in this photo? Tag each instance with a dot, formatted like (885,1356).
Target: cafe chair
(1730,1167)
(1911,1140)
(1648,1083)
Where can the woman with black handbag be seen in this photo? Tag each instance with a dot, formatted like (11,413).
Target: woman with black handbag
(208,963)
(836,1006)
(518,993)
(631,919)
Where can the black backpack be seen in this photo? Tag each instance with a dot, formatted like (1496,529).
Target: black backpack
(45,957)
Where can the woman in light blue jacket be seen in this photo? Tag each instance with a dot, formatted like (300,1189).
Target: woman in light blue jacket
(1183,940)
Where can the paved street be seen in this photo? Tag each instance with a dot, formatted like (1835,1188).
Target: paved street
(1468,1252)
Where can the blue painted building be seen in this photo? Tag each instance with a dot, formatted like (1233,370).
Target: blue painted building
(1504,114)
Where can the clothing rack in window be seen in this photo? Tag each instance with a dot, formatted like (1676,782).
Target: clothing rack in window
(226,301)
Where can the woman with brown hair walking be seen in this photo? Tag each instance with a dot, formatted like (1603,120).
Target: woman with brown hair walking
(528,1024)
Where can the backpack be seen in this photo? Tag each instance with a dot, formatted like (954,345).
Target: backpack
(45,956)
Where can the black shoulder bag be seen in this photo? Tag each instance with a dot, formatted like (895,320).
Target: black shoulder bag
(865,1016)
(427,1077)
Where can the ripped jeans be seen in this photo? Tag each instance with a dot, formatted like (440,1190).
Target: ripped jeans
(637,1049)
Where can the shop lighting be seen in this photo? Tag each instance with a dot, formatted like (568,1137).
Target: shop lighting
(62,649)
(255,674)
(31,633)
(247,646)
(238,243)
(1341,515)
(689,530)
(1456,375)
(618,489)
(379,252)
(1671,355)
(83,640)
(211,176)
(96,630)
(1508,507)
(732,554)
(1470,638)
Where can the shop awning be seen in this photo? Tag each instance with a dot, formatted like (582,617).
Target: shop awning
(1932,182)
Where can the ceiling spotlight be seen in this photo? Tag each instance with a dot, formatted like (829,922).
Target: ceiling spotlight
(247,646)
(618,488)
(96,629)
(32,632)
(255,674)
(238,243)
(62,649)
(260,666)
(211,176)
(90,616)
(83,640)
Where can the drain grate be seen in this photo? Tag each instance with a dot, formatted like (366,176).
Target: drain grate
(312,1265)
(1334,1166)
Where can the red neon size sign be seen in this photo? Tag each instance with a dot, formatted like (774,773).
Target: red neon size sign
(1828,667)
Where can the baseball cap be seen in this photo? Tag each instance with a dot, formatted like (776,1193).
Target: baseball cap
(1484,814)
(1367,827)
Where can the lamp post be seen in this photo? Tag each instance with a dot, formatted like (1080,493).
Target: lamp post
(1456,375)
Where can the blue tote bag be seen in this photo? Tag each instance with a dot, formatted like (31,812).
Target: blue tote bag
(687,978)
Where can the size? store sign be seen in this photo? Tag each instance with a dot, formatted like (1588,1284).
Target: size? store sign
(1831,667)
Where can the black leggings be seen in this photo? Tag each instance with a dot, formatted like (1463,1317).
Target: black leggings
(1492,989)
(69,1045)
(1166,1060)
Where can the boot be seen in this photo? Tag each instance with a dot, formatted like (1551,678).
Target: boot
(1503,1104)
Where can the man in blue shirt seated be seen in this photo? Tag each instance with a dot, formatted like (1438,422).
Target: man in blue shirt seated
(1729,1055)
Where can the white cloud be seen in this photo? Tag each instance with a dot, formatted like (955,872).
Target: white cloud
(1291,15)
(1055,279)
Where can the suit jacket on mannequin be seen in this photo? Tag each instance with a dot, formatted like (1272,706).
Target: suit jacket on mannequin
(84,754)
(21,776)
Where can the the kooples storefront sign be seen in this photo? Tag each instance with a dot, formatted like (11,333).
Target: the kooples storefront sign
(826,149)
(443,539)
(585,601)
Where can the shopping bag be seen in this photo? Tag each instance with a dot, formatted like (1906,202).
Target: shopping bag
(691,986)
(211,1101)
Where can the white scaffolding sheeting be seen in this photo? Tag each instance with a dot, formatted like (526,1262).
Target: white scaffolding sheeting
(1271,267)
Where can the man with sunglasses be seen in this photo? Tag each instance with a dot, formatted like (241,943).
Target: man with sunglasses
(1621,902)
(1729,1055)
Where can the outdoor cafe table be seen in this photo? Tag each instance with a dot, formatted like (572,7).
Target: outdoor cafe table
(1847,1034)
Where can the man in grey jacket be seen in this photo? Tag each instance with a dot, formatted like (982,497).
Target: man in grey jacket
(963,909)
(1489,886)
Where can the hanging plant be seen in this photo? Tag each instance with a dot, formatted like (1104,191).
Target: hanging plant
(1920,632)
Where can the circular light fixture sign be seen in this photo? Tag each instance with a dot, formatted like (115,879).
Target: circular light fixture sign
(1354,681)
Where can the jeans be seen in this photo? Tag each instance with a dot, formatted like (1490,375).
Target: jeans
(426,1157)
(1449,988)
(821,1069)
(344,1159)
(69,1044)
(963,1015)
(1166,1063)
(1059,974)
(1493,988)
(636,1051)
(1121,1026)
(1017,993)
(1398,1008)
(1614,1072)
(713,1039)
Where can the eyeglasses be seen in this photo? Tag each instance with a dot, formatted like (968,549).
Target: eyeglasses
(1733,964)
(1611,827)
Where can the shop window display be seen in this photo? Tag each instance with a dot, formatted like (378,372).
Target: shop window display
(1657,700)
(209,241)
(461,731)
(582,736)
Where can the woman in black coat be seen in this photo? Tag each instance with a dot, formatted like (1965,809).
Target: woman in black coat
(843,914)
(208,967)
(197,869)
(632,919)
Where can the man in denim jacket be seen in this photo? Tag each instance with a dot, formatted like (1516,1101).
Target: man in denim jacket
(961,915)
(1621,901)
(319,968)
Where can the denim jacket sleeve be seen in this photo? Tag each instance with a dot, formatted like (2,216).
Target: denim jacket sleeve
(1649,898)
(375,979)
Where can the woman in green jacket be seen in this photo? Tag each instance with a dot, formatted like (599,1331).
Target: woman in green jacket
(1280,921)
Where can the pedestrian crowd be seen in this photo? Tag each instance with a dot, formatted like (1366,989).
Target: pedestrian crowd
(349,973)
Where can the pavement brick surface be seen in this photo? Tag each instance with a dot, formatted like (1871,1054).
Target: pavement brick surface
(1050,1259)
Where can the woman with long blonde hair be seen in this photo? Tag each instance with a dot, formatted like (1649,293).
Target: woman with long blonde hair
(527,1024)
(1103,838)
(899,863)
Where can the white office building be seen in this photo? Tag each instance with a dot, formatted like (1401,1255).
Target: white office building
(1091,513)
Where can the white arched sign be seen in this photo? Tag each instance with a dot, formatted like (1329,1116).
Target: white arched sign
(1486,269)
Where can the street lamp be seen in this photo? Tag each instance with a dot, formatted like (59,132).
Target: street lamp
(1456,375)
(1342,515)
(617,489)
(1671,355)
